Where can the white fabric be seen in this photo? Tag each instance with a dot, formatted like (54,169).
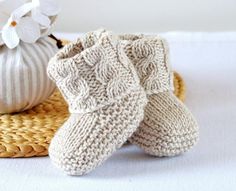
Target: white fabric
(208,64)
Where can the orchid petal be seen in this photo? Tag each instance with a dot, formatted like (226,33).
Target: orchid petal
(36,3)
(21,11)
(8,6)
(49,7)
(28,30)
(40,18)
(10,37)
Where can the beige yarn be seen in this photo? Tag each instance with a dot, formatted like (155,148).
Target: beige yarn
(104,96)
(168,127)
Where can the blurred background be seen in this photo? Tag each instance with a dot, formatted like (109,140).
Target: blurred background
(147,15)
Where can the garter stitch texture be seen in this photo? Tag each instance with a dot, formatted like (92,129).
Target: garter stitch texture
(105,99)
(168,127)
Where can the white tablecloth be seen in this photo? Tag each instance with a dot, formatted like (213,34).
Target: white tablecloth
(207,61)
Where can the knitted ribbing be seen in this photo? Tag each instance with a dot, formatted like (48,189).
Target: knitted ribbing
(168,127)
(105,99)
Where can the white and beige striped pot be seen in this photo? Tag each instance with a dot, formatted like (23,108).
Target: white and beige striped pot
(23,75)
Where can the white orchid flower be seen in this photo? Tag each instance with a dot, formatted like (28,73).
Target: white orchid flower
(26,20)
(6,8)
(15,25)
(44,9)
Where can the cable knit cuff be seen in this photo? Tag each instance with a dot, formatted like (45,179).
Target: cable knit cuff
(149,54)
(93,72)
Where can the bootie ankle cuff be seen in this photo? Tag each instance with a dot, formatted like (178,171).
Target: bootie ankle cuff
(150,56)
(91,73)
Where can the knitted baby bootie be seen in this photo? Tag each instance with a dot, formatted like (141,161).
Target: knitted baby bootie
(168,127)
(105,100)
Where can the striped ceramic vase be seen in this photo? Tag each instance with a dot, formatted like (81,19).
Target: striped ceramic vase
(23,77)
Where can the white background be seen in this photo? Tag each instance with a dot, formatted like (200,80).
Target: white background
(147,15)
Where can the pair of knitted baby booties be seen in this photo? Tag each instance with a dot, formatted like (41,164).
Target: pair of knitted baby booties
(118,88)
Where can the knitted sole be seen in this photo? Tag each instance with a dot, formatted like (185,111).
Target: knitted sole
(95,136)
(168,127)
